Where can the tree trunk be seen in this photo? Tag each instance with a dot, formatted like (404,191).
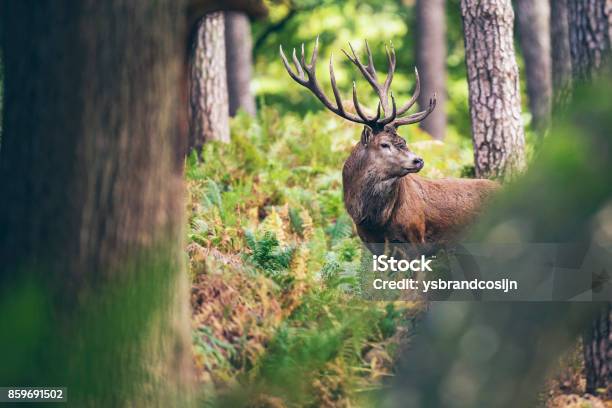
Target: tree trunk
(560,52)
(239,61)
(495,106)
(590,25)
(534,34)
(431,62)
(598,353)
(91,212)
(209,111)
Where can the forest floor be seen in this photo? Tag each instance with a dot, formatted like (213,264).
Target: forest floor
(277,316)
(566,386)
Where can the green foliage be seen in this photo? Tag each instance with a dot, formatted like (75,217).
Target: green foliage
(342,228)
(267,255)
(297,223)
(388,324)
(297,353)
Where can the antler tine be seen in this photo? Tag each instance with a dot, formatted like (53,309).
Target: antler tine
(360,112)
(417,117)
(384,90)
(292,74)
(364,70)
(391,68)
(332,78)
(303,57)
(415,95)
(393,115)
(315,54)
(311,68)
(298,66)
(377,112)
(370,66)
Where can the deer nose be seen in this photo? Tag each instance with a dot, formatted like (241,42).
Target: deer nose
(418,162)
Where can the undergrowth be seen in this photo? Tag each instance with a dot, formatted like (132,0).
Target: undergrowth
(277,317)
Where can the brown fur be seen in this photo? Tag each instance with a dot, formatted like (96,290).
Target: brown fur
(388,204)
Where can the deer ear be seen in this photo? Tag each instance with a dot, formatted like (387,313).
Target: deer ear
(366,134)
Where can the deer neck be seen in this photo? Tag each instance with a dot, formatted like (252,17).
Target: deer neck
(370,200)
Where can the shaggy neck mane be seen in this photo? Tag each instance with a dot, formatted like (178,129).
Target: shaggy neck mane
(369,199)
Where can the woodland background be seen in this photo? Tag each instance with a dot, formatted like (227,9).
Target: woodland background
(172,231)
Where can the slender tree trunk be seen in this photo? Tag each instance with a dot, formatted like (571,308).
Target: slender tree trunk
(493,81)
(239,62)
(590,25)
(533,18)
(91,207)
(209,111)
(560,52)
(431,62)
(590,35)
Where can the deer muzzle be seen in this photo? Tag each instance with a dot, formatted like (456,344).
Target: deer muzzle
(412,163)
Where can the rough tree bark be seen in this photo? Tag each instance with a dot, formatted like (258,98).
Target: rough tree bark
(239,62)
(92,209)
(431,62)
(590,35)
(534,35)
(598,353)
(560,52)
(590,25)
(208,99)
(495,106)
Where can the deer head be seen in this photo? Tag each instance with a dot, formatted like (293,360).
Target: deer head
(381,146)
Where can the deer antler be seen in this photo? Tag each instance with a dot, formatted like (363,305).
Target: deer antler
(306,77)
(310,81)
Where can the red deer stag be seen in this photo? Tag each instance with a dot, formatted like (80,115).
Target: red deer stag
(386,200)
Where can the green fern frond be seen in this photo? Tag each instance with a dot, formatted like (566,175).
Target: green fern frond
(342,228)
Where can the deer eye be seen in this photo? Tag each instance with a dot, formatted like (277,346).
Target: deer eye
(385,146)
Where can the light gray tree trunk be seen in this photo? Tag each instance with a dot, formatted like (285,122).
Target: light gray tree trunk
(208,98)
(431,62)
(239,62)
(560,52)
(533,18)
(493,81)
